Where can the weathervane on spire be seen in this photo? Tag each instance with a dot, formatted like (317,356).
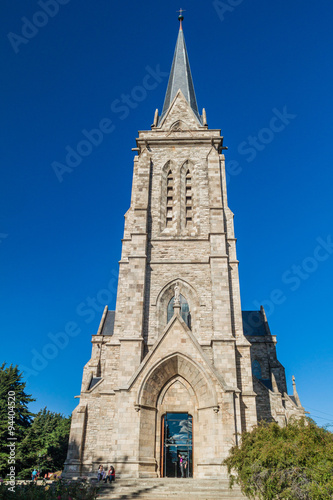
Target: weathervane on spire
(181,17)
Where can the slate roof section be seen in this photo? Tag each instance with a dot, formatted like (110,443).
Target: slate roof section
(108,325)
(93,382)
(254,323)
(293,400)
(180,78)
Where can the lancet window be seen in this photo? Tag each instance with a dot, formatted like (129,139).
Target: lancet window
(184,310)
(170,199)
(188,199)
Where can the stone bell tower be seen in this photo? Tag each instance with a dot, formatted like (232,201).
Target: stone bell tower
(170,372)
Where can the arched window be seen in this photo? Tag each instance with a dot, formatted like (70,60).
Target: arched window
(184,310)
(170,199)
(256,369)
(188,199)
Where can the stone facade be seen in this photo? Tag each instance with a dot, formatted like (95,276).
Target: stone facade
(151,358)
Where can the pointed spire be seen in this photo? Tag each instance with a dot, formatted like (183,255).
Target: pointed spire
(180,75)
(296,396)
(274,383)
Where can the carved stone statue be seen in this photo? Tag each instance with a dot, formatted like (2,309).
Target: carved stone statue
(177,295)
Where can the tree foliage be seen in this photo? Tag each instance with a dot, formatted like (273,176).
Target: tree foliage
(45,443)
(41,440)
(293,462)
(12,396)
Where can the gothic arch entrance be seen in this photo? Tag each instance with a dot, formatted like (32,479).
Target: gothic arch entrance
(171,398)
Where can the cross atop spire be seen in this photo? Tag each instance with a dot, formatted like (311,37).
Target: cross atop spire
(180,75)
(181,18)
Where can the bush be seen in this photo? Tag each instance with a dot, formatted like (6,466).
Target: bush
(59,490)
(293,462)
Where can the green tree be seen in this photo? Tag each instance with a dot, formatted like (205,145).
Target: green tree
(293,462)
(45,443)
(13,403)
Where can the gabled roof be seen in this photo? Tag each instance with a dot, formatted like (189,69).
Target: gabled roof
(180,78)
(109,323)
(254,323)
(106,325)
(171,336)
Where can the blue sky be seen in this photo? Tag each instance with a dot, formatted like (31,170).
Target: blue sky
(66,68)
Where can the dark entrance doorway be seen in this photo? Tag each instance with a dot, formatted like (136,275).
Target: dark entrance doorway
(176,459)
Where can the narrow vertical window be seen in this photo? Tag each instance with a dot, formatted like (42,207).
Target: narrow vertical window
(170,199)
(188,199)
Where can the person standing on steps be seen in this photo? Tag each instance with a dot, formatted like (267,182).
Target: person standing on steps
(185,467)
(181,465)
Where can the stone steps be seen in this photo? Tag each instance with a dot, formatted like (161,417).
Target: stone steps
(168,489)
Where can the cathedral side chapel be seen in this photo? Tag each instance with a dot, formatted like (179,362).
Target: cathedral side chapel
(178,369)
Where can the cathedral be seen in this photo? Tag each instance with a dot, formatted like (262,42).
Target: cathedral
(178,371)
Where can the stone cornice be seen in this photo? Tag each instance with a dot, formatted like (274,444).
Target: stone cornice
(172,141)
(188,262)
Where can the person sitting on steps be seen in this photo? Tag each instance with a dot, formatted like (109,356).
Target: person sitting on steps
(100,473)
(111,475)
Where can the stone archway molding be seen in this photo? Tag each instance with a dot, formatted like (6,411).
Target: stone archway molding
(172,382)
(176,364)
(191,292)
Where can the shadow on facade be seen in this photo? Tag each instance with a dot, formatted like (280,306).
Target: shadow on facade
(134,489)
(148,267)
(137,493)
(263,401)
